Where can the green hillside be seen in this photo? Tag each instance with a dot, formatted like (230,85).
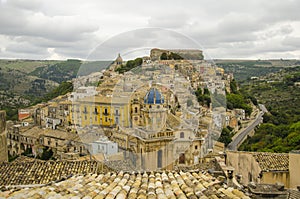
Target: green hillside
(25,66)
(243,70)
(280,93)
(23,82)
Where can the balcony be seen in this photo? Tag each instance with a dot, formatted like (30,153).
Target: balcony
(105,113)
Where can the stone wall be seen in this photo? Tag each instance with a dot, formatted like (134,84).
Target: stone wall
(3,144)
(276,177)
(244,165)
(294,162)
(186,54)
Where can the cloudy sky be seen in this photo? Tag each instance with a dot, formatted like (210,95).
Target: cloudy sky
(56,29)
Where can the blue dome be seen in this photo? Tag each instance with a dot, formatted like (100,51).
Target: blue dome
(154,97)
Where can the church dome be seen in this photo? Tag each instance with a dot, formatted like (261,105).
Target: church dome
(119,59)
(154,97)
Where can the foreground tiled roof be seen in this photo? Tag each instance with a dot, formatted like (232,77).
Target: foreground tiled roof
(294,194)
(272,161)
(162,185)
(39,172)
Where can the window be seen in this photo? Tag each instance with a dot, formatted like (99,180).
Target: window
(96,111)
(105,111)
(85,117)
(117,112)
(105,119)
(182,135)
(196,147)
(159,158)
(249,177)
(135,109)
(95,118)
(182,158)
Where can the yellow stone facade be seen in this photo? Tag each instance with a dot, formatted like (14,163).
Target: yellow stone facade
(99,111)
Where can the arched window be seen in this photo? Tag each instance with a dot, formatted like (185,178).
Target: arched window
(182,135)
(135,109)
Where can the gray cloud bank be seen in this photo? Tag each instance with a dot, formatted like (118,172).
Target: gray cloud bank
(257,29)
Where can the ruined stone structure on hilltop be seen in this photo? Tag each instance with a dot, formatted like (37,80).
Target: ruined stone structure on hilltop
(186,54)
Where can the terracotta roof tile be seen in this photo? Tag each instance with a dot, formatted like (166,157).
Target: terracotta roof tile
(272,161)
(162,185)
(43,172)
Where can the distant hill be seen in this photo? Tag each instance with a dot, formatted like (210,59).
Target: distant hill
(243,70)
(66,70)
(25,66)
(23,81)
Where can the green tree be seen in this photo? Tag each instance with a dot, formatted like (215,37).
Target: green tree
(130,65)
(62,89)
(238,101)
(47,154)
(163,56)
(233,87)
(226,136)
(203,98)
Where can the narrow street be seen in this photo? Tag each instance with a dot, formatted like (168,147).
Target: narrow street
(237,140)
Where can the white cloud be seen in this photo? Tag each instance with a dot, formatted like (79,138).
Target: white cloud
(72,28)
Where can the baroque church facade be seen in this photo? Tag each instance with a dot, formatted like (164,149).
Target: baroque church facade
(158,137)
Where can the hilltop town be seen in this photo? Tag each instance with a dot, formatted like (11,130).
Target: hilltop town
(162,116)
(153,101)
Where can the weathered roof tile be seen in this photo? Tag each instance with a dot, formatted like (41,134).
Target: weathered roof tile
(120,185)
(272,161)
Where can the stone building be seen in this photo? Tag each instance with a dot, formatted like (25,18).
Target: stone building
(117,63)
(104,146)
(99,111)
(3,145)
(158,139)
(33,139)
(294,162)
(266,168)
(186,54)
